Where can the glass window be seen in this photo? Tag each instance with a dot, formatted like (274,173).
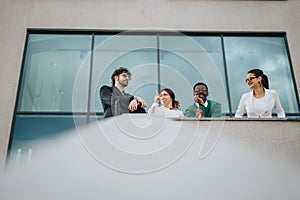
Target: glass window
(266,53)
(50,69)
(32,130)
(137,53)
(188,60)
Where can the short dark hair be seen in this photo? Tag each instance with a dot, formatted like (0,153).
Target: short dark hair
(264,78)
(117,72)
(200,83)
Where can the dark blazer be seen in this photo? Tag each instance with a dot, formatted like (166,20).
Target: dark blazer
(115,102)
(120,101)
(105,96)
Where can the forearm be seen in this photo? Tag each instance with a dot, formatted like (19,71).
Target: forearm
(190,112)
(153,107)
(278,107)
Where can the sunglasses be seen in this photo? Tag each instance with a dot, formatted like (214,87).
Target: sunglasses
(250,79)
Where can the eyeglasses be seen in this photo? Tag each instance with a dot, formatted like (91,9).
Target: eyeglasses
(200,90)
(126,76)
(250,79)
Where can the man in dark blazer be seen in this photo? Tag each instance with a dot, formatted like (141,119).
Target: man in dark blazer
(114,99)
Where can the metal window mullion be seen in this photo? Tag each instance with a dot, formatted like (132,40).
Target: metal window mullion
(90,80)
(226,75)
(158,62)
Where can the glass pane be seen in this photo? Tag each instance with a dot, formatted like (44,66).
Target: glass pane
(50,69)
(31,131)
(188,60)
(137,53)
(266,53)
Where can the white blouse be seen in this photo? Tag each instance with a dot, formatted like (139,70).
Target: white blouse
(165,112)
(260,107)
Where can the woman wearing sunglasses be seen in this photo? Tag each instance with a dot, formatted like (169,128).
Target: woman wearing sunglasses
(260,102)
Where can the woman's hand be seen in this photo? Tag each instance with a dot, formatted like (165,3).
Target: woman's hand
(133,105)
(157,98)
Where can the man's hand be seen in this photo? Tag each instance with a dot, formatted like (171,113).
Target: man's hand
(133,105)
(198,113)
(142,101)
(198,99)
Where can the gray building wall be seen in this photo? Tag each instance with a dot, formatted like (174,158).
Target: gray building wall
(204,160)
(197,15)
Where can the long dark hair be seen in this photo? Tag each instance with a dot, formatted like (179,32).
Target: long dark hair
(175,103)
(264,78)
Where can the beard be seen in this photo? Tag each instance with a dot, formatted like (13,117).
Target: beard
(124,84)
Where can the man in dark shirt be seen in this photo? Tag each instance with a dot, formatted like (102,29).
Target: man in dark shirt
(114,99)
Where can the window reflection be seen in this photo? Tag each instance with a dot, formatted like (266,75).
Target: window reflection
(137,53)
(189,60)
(31,130)
(266,53)
(51,66)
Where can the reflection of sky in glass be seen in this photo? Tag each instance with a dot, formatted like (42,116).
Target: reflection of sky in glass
(180,59)
(50,69)
(48,86)
(212,46)
(196,59)
(137,53)
(266,53)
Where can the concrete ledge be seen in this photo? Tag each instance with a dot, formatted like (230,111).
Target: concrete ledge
(147,157)
(239,119)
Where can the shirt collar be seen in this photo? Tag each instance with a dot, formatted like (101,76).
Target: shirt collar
(205,104)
